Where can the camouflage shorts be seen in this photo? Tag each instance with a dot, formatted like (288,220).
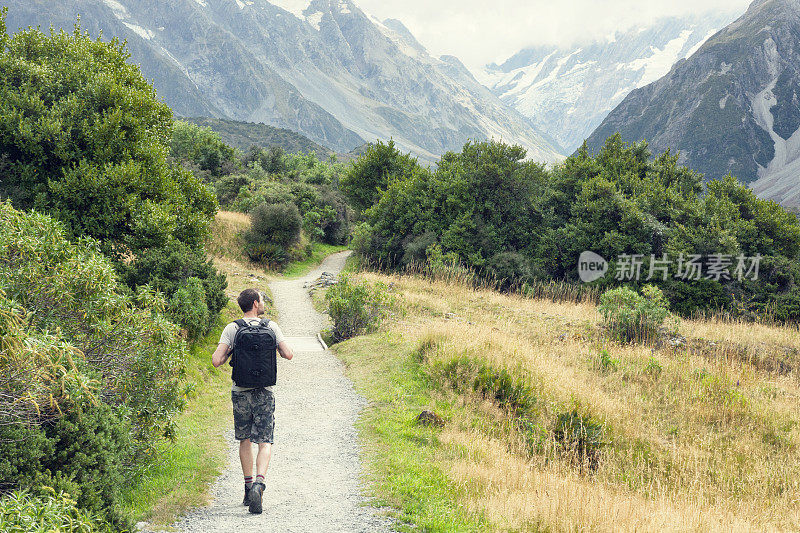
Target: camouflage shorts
(254,415)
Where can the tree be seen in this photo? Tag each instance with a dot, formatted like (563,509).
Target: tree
(369,174)
(85,139)
(202,147)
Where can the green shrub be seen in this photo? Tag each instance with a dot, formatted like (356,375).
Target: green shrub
(356,307)
(23,512)
(274,228)
(630,316)
(606,363)
(89,145)
(90,374)
(87,454)
(188,308)
(579,438)
(169,269)
(510,268)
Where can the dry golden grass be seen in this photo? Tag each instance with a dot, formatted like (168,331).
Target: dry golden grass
(704,437)
(225,235)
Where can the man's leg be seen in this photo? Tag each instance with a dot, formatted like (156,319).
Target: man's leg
(263,425)
(246,457)
(262,461)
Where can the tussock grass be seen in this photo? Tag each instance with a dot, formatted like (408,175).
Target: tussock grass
(226,235)
(702,436)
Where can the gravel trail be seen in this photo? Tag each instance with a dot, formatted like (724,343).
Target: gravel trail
(313,482)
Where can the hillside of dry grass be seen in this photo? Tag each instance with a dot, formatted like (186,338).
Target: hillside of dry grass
(695,435)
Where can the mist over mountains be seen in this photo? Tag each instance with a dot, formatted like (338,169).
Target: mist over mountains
(568,91)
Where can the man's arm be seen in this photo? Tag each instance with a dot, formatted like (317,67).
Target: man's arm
(285,351)
(220,355)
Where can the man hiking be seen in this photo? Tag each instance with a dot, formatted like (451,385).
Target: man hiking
(253,343)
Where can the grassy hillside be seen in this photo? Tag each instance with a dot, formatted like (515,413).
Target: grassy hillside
(699,436)
(243,135)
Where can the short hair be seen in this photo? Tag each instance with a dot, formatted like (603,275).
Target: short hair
(247,298)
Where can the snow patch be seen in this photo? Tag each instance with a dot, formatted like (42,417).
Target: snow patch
(619,95)
(141,32)
(344,7)
(295,7)
(659,63)
(314,19)
(696,47)
(202,3)
(724,101)
(118,9)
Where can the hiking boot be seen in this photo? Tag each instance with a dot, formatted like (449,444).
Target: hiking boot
(255,497)
(247,488)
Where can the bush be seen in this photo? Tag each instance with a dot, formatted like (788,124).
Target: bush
(169,269)
(274,228)
(579,438)
(24,512)
(89,374)
(510,268)
(89,144)
(87,454)
(356,307)
(188,308)
(633,317)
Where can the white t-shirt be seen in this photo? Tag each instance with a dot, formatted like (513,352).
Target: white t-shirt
(229,333)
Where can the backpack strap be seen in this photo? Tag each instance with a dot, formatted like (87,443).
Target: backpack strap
(241,323)
(265,322)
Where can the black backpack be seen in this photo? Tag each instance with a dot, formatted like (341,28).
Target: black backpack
(255,358)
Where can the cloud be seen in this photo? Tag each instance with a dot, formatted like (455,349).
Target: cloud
(479,32)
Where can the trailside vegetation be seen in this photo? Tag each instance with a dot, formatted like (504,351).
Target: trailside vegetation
(84,138)
(515,222)
(90,375)
(294,200)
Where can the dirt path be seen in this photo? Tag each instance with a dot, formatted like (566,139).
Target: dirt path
(313,479)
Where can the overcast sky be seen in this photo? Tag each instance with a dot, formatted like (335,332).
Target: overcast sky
(481,31)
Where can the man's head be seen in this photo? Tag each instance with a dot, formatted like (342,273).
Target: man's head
(251,300)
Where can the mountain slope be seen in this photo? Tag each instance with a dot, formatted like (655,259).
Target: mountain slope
(731,107)
(243,135)
(322,68)
(569,91)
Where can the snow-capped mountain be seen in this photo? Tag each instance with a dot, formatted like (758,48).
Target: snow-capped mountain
(567,92)
(732,107)
(321,67)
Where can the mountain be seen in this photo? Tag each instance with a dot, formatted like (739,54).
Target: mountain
(323,68)
(733,106)
(568,91)
(243,135)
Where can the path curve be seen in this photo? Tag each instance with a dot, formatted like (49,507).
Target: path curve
(313,482)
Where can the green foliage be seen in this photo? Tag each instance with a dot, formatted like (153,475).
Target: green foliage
(498,385)
(201,148)
(245,135)
(580,438)
(169,270)
(85,140)
(23,512)
(606,363)
(90,374)
(514,222)
(188,308)
(273,229)
(356,307)
(370,174)
(630,316)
